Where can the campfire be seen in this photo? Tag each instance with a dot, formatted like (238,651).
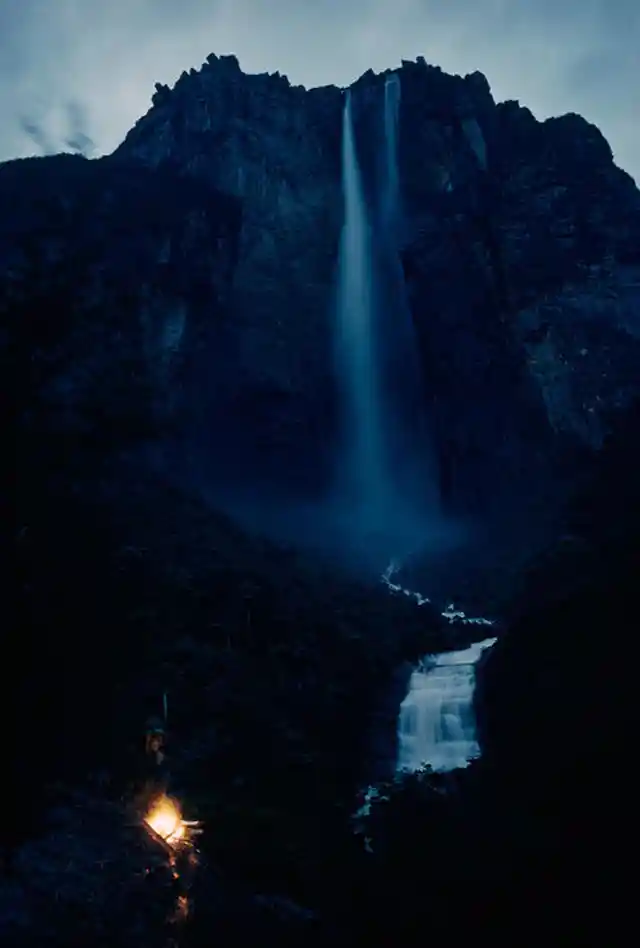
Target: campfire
(165,819)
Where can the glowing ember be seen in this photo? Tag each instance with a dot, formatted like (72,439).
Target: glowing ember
(165,819)
(182,908)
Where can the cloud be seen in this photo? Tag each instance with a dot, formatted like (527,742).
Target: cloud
(77,139)
(574,55)
(38,135)
(74,138)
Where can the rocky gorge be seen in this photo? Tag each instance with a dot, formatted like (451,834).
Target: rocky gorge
(167,350)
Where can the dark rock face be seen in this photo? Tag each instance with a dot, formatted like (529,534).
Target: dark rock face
(275,147)
(274,665)
(521,257)
(112,280)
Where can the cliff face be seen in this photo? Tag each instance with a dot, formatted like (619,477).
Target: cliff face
(276,147)
(570,226)
(111,281)
(520,253)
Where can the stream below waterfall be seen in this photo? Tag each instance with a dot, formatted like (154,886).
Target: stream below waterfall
(436,724)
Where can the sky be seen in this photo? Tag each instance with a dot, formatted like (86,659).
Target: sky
(78,73)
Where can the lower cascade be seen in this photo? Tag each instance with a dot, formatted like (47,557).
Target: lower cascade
(437,726)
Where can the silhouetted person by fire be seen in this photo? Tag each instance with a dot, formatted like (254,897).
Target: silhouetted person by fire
(155,743)
(152,779)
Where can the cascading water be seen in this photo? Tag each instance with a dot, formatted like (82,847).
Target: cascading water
(391,202)
(401,366)
(384,477)
(437,725)
(367,475)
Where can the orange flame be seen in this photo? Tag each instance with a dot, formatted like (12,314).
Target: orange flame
(165,819)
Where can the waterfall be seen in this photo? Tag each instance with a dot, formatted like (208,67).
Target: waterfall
(367,477)
(391,201)
(401,368)
(385,482)
(437,725)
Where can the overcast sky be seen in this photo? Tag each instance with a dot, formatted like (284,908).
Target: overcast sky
(88,66)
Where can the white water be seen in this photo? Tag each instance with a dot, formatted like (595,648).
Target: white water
(401,365)
(437,725)
(391,204)
(366,473)
(385,486)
